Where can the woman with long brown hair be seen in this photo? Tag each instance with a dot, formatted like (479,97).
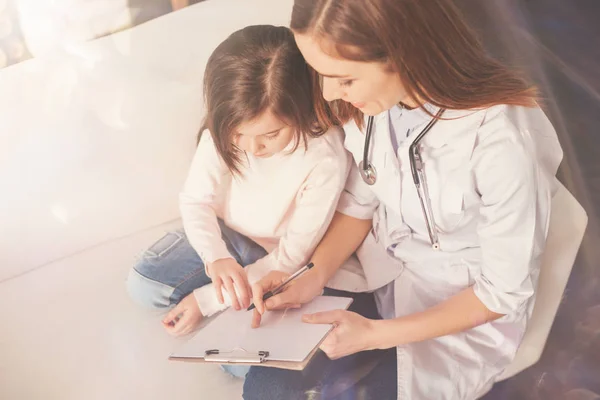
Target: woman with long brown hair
(447,205)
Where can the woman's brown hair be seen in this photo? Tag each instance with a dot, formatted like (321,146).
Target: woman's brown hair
(438,57)
(256,69)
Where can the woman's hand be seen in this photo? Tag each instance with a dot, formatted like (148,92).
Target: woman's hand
(351,333)
(299,291)
(228,273)
(184,317)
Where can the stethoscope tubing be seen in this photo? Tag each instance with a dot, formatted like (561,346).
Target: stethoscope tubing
(416,168)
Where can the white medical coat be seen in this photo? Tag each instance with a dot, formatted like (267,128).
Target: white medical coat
(491,177)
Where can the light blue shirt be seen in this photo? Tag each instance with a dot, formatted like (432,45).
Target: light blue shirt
(403,122)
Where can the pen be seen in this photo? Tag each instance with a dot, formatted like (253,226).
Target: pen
(279,288)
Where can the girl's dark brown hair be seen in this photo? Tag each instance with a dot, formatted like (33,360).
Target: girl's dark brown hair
(427,42)
(256,69)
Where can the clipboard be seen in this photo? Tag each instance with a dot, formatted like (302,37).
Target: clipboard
(261,353)
(241,357)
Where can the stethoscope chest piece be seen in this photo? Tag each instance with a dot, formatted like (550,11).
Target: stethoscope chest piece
(368,173)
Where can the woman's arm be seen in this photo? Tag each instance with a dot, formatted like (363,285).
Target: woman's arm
(314,208)
(459,313)
(514,214)
(349,227)
(347,230)
(342,239)
(354,333)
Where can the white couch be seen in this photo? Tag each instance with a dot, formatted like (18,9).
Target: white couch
(47,25)
(95,143)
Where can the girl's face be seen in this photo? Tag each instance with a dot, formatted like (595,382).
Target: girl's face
(368,86)
(263,136)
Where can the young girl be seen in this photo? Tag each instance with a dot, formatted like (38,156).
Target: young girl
(261,190)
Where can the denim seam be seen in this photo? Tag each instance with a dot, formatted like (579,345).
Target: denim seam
(191,275)
(181,282)
(153,255)
(153,280)
(185,279)
(150,279)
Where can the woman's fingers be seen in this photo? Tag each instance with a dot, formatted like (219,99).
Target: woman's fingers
(289,296)
(256,317)
(270,281)
(257,295)
(325,317)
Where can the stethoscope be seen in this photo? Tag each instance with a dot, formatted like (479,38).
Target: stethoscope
(369,173)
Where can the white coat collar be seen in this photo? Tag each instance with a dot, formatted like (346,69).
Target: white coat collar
(454,127)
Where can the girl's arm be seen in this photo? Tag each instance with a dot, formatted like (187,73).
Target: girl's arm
(198,201)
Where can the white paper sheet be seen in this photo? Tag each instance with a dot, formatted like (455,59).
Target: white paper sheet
(282,333)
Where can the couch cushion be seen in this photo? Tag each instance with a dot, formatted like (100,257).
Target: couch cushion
(76,334)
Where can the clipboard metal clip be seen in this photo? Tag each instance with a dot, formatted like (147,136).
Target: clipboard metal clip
(235,356)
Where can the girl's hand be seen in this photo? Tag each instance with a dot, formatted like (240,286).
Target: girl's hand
(351,333)
(228,273)
(184,317)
